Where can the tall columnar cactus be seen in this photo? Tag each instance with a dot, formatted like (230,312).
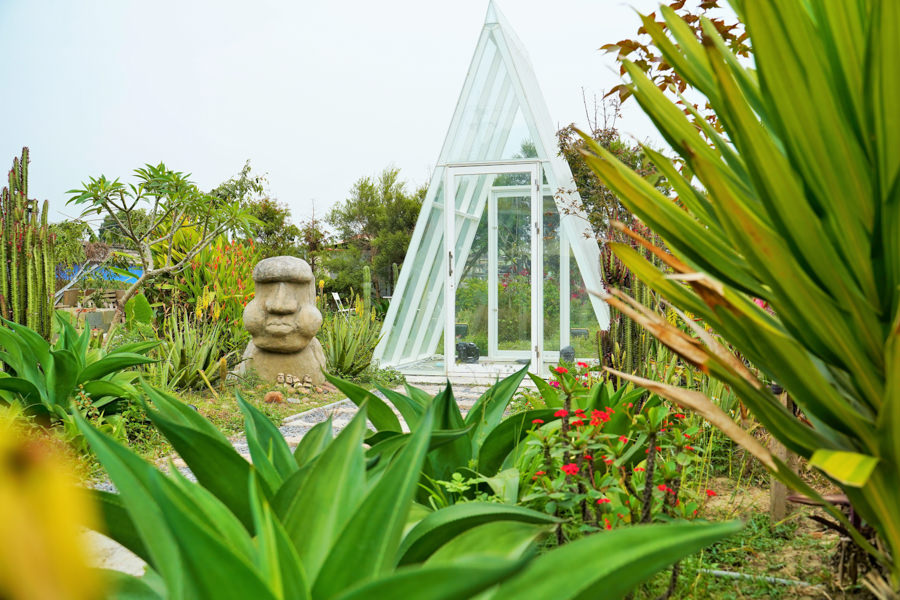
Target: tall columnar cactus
(27,274)
(367,288)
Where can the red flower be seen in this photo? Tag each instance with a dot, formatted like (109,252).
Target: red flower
(538,421)
(570,469)
(561,370)
(588,457)
(639,469)
(583,365)
(679,416)
(541,473)
(579,412)
(604,501)
(710,493)
(661,487)
(606,523)
(687,436)
(608,460)
(630,404)
(577,422)
(623,439)
(688,447)
(561,413)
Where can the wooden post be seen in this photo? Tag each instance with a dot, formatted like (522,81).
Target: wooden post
(778,505)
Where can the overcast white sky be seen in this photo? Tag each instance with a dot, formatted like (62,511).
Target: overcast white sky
(316,94)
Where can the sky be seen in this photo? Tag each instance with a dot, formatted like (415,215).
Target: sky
(314,94)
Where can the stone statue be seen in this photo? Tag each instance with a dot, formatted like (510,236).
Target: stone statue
(283,320)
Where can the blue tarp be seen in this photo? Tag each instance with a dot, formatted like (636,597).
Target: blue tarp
(109,275)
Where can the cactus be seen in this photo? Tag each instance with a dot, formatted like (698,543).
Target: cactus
(367,289)
(27,273)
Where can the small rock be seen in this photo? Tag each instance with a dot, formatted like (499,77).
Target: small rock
(274,398)
(319,390)
(294,401)
(289,379)
(279,379)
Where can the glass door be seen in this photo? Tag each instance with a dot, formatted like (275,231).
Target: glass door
(493,280)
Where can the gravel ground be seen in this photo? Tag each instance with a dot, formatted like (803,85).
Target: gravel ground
(108,554)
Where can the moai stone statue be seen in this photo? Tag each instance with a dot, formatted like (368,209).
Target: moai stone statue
(283,321)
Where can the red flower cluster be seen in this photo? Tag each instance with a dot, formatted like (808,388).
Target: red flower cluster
(577,422)
(598,417)
(623,439)
(583,365)
(538,421)
(688,448)
(639,469)
(604,501)
(570,469)
(664,488)
(561,370)
(561,413)
(710,493)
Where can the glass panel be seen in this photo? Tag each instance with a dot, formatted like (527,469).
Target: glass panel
(471,271)
(550,232)
(514,264)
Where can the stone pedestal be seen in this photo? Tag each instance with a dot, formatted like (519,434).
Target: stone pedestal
(311,361)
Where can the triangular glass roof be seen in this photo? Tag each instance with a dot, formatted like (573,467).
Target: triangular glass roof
(500,119)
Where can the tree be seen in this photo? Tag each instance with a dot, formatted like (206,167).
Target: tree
(645,56)
(599,203)
(173,203)
(312,241)
(377,220)
(272,231)
(71,237)
(274,235)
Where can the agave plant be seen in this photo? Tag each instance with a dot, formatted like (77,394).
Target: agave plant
(349,340)
(47,379)
(324,522)
(791,249)
(190,353)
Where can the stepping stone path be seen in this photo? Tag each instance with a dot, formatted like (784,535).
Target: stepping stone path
(110,555)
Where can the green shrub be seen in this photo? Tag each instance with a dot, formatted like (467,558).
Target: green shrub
(349,340)
(51,380)
(334,520)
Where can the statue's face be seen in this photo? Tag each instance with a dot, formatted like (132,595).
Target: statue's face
(282,317)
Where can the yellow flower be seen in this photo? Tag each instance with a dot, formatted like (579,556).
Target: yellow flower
(42,513)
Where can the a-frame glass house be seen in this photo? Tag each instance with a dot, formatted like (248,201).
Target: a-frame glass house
(511,286)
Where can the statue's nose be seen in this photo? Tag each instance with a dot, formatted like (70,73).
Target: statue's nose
(281,301)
